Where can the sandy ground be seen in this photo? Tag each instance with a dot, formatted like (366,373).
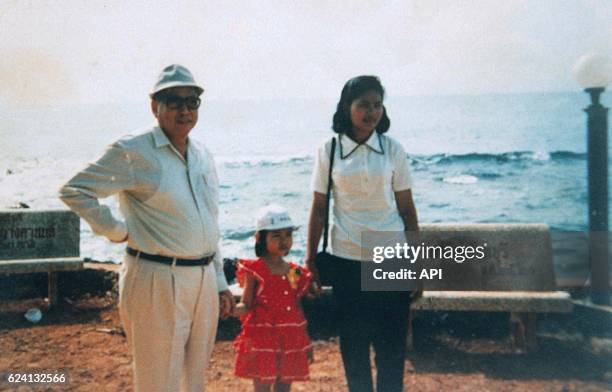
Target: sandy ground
(83,339)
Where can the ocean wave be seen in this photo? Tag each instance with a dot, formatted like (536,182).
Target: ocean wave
(486,175)
(568,155)
(439,205)
(504,157)
(418,160)
(238,235)
(290,194)
(462,179)
(265,161)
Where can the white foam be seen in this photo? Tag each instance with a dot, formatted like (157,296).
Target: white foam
(463,179)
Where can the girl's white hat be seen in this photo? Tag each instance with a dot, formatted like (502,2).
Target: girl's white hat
(273,217)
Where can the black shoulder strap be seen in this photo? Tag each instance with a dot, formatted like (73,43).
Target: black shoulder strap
(329,186)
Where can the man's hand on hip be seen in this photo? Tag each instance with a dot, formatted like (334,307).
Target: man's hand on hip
(122,240)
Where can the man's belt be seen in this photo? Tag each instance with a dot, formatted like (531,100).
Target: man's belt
(170,260)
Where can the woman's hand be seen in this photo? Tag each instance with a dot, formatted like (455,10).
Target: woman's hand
(315,282)
(418,292)
(314,290)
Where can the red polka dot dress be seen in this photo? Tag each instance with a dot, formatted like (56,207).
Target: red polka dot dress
(273,343)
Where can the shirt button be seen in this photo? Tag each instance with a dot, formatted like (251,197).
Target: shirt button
(284,277)
(286,292)
(288,308)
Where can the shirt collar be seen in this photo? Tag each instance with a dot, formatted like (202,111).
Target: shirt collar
(160,138)
(348,145)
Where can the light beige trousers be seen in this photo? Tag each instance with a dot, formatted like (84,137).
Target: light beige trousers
(170,317)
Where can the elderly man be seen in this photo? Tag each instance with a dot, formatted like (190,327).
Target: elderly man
(172,284)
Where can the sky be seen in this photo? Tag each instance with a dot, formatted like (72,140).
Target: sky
(78,51)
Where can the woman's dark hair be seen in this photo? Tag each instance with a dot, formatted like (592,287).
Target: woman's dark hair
(352,90)
(261,245)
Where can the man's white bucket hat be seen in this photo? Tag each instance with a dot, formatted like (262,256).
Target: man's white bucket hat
(274,217)
(175,75)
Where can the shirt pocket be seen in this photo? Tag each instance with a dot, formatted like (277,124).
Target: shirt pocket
(208,187)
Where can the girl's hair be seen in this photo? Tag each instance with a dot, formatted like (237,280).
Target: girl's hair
(261,245)
(352,90)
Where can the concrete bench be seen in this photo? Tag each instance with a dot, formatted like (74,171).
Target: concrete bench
(517,278)
(40,241)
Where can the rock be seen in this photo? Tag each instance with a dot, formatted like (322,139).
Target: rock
(19,205)
(33,315)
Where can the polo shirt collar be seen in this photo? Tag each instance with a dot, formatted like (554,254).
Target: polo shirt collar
(348,145)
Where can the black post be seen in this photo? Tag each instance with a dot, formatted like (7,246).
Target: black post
(597,126)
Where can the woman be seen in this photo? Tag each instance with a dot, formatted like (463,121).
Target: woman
(371,189)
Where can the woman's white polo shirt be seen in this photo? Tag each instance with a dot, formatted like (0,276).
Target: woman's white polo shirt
(365,178)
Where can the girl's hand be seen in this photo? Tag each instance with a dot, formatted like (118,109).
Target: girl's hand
(240,310)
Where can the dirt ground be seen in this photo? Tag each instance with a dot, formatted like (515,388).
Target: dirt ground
(83,339)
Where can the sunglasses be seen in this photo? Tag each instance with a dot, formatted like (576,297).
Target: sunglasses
(175,102)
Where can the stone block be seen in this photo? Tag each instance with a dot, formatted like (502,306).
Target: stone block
(518,257)
(36,234)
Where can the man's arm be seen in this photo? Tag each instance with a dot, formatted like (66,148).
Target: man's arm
(227,303)
(111,174)
(221,280)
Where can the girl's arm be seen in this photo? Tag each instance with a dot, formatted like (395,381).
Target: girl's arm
(315,229)
(248,295)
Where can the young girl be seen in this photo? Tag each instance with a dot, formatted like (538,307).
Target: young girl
(273,348)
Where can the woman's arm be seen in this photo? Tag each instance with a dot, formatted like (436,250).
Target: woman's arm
(406,209)
(315,229)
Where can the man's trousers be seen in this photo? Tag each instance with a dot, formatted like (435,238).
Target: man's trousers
(170,315)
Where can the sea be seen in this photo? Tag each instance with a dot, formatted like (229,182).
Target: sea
(495,158)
